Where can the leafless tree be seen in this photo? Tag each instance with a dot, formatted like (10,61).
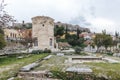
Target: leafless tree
(5,18)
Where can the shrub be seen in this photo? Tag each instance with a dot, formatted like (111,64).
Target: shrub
(110,53)
(2,41)
(78,50)
(41,51)
(73,76)
(47,51)
(37,51)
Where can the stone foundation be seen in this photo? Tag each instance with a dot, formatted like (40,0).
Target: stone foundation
(35,75)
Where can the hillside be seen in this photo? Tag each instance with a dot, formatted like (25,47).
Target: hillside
(71,27)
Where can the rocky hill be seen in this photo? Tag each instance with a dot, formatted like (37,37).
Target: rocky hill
(59,24)
(71,27)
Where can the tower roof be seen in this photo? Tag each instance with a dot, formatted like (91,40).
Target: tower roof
(42,17)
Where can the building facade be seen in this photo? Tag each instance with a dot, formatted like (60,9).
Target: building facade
(43,32)
(12,34)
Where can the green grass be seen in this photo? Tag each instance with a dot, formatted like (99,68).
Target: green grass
(9,66)
(7,60)
(55,62)
(111,71)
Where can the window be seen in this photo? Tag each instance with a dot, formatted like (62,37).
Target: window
(15,35)
(43,25)
(50,41)
(10,34)
(36,42)
(7,36)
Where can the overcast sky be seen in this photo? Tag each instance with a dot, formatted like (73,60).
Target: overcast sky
(94,14)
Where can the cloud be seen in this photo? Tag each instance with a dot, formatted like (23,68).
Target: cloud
(80,20)
(99,24)
(101,14)
(59,9)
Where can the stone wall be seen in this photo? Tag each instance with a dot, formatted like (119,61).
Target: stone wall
(43,31)
(38,75)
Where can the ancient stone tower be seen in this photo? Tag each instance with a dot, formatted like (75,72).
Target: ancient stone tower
(43,32)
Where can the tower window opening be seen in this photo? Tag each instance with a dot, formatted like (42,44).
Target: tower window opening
(36,42)
(43,25)
(50,41)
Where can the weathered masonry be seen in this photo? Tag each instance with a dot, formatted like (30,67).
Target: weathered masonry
(43,32)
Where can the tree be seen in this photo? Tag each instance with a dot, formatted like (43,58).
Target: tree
(58,31)
(116,41)
(74,41)
(78,32)
(116,34)
(2,41)
(1,31)
(68,36)
(107,41)
(103,40)
(98,40)
(5,18)
(66,30)
(103,32)
(78,50)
